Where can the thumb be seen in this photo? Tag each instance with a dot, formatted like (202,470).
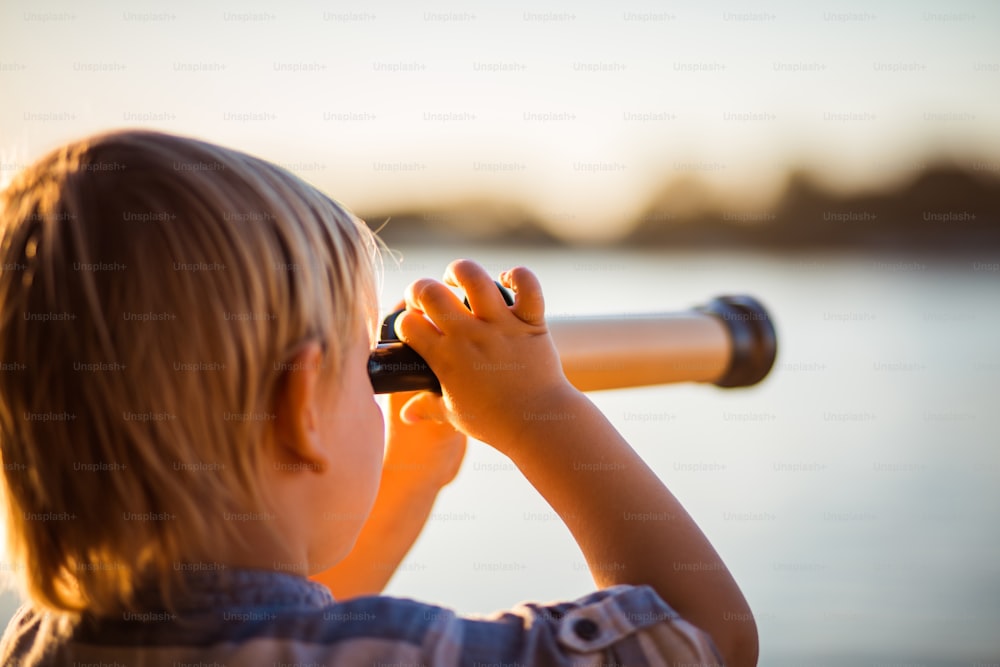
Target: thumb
(425,406)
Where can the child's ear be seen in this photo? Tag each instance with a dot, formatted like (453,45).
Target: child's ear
(296,409)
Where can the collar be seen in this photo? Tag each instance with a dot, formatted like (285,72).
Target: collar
(241,588)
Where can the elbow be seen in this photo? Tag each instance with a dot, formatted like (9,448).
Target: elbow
(741,648)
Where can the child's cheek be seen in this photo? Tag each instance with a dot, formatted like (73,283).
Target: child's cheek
(376,434)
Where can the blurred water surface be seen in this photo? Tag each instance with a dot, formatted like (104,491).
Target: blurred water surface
(854,494)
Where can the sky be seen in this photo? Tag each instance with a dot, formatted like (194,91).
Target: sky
(578,112)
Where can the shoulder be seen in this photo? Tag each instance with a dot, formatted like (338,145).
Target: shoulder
(622,625)
(30,635)
(20,629)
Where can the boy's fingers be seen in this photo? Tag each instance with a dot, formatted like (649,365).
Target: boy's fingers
(413,329)
(397,400)
(437,301)
(529,304)
(484,297)
(425,406)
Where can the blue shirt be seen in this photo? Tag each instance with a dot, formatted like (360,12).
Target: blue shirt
(238,618)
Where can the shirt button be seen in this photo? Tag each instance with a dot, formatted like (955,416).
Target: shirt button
(586,629)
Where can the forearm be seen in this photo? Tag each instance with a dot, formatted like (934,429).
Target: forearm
(398,516)
(629,526)
(601,489)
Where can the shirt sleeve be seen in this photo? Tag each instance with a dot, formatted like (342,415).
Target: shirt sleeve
(621,625)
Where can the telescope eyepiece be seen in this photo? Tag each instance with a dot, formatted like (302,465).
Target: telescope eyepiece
(395,366)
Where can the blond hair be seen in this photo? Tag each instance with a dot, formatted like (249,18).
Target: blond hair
(152,290)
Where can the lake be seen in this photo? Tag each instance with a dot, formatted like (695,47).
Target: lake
(854,494)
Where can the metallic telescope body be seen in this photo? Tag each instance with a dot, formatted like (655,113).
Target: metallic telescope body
(729,342)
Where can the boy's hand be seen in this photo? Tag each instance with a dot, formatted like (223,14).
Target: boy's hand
(498,368)
(422,447)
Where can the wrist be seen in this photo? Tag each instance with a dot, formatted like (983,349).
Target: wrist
(541,424)
(418,479)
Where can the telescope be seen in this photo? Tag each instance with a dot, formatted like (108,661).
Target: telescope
(729,342)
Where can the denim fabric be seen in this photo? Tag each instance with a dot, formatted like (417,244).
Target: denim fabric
(241,618)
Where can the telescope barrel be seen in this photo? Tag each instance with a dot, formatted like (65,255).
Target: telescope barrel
(730,342)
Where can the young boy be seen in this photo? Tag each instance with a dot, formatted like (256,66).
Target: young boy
(188,432)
